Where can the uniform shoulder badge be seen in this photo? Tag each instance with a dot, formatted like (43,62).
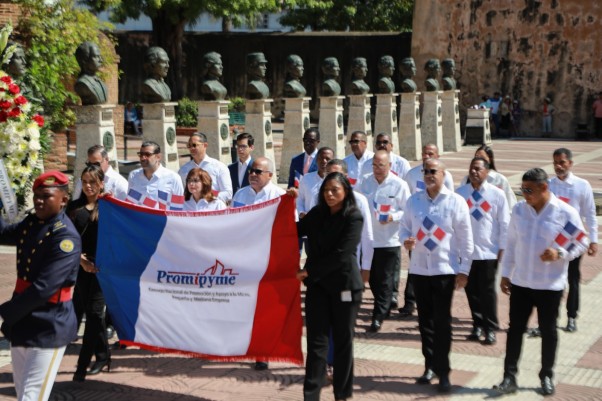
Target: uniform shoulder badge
(66,245)
(58,225)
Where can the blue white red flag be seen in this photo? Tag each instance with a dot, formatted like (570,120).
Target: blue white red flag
(138,198)
(170,201)
(478,205)
(430,234)
(218,285)
(420,186)
(382,211)
(298,177)
(570,236)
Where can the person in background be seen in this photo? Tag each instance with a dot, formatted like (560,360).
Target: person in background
(547,111)
(239,171)
(360,154)
(114,183)
(305,162)
(131,119)
(517,113)
(597,108)
(197,193)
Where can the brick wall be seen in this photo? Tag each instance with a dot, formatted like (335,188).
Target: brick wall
(9,12)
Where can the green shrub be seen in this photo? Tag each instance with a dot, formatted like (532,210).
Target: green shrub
(237,104)
(186,113)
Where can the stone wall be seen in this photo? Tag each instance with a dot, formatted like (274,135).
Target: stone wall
(524,48)
(9,12)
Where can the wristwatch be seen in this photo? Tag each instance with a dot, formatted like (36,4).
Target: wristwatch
(561,253)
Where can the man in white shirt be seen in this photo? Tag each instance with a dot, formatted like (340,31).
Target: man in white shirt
(146,183)
(115,184)
(436,221)
(359,156)
(578,193)
(387,195)
(311,182)
(399,165)
(489,218)
(239,171)
(543,236)
(221,184)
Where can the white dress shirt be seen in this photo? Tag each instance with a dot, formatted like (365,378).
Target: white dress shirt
(246,196)
(530,234)
(309,187)
(399,166)
(202,205)
(391,194)
(218,171)
(114,184)
(498,180)
(242,169)
(355,166)
(578,193)
(445,221)
(489,218)
(415,180)
(365,247)
(162,179)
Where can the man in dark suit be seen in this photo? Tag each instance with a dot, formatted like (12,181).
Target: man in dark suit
(239,171)
(305,162)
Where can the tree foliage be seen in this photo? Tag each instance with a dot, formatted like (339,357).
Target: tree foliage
(51,32)
(350,15)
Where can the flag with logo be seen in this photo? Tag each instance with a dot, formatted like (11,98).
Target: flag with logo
(220,285)
(478,205)
(570,236)
(430,234)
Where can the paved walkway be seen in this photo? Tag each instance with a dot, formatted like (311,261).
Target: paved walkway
(387,362)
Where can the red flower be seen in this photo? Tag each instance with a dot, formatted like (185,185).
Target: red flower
(6,79)
(3,116)
(14,112)
(20,100)
(38,119)
(5,104)
(14,89)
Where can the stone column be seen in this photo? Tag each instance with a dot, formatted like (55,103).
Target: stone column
(360,119)
(410,133)
(214,122)
(477,127)
(258,122)
(296,121)
(159,125)
(432,128)
(452,140)
(331,124)
(386,117)
(94,126)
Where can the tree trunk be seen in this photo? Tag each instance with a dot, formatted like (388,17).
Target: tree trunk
(226,24)
(169,36)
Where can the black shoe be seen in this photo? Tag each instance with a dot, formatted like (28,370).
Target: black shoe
(476,334)
(119,345)
(507,386)
(98,367)
(110,332)
(535,332)
(490,338)
(571,325)
(406,311)
(375,326)
(261,365)
(393,305)
(547,386)
(426,377)
(80,375)
(444,385)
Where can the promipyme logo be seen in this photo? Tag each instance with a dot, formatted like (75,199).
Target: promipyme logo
(217,274)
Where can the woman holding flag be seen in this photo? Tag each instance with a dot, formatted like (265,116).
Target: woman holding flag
(334,285)
(197,193)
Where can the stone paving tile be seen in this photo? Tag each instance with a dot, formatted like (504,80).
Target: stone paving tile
(593,358)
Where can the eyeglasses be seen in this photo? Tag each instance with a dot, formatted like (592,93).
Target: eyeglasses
(147,154)
(97,164)
(194,145)
(378,143)
(309,140)
(431,171)
(242,147)
(355,141)
(257,171)
(527,191)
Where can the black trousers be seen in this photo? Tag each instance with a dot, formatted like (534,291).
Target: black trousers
(324,311)
(522,302)
(93,303)
(384,263)
(572,300)
(434,299)
(409,299)
(482,294)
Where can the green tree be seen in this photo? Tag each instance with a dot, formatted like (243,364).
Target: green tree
(350,15)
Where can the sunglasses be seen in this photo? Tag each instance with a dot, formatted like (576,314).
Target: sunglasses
(309,140)
(194,145)
(527,191)
(89,164)
(378,143)
(355,141)
(431,171)
(257,171)
(147,154)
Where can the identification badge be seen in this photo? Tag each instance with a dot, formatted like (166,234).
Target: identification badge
(345,296)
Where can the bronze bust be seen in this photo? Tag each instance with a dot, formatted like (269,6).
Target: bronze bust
(432,69)
(16,67)
(408,71)
(359,68)
(256,69)
(449,69)
(91,89)
(156,65)
(212,88)
(294,71)
(386,69)
(331,70)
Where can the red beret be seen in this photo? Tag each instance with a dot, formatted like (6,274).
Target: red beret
(52,178)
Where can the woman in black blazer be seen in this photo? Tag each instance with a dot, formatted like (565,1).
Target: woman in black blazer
(334,285)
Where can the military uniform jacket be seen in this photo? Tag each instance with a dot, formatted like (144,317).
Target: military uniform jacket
(48,255)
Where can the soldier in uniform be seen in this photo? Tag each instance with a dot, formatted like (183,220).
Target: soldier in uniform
(39,320)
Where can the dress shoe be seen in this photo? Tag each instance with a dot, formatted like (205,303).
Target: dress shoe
(80,375)
(426,377)
(507,386)
(490,338)
(98,367)
(261,365)
(110,332)
(535,332)
(444,384)
(406,311)
(475,335)
(375,326)
(547,386)
(571,325)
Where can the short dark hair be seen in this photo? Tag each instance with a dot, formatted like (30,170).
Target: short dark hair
(324,149)
(315,130)
(383,134)
(564,151)
(362,133)
(98,148)
(485,163)
(349,203)
(536,175)
(338,162)
(202,137)
(247,136)
(153,144)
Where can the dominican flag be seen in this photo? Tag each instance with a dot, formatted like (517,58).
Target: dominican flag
(570,236)
(169,201)
(430,234)
(219,285)
(382,212)
(297,181)
(478,205)
(138,198)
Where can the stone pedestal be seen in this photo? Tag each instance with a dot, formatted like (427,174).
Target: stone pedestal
(331,124)
(94,126)
(386,117)
(431,121)
(214,122)
(360,119)
(296,121)
(452,139)
(477,127)
(258,122)
(159,125)
(410,132)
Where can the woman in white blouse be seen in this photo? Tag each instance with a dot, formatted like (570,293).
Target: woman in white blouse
(198,194)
